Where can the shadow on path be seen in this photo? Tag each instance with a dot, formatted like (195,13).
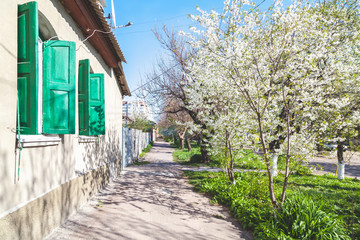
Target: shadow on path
(151,201)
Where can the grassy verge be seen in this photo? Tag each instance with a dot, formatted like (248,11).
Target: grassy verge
(318,207)
(248,160)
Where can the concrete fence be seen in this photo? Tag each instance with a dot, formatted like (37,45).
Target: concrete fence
(134,141)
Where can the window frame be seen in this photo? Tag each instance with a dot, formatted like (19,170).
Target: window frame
(36,137)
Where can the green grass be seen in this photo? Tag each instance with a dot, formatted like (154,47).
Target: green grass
(340,197)
(248,160)
(146,150)
(189,158)
(249,198)
(193,158)
(336,204)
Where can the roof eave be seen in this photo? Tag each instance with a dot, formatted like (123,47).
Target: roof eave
(89,17)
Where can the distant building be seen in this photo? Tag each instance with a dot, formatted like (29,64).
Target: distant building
(134,108)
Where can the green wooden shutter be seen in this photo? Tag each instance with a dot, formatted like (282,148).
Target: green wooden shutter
(97,104)
(59,87)
(83,89)
(27,81)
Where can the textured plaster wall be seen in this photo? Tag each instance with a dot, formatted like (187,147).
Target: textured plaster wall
(8,78)
(45,169)
(38,218)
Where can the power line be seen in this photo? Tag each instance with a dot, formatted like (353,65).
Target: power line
(159,75)
(145,31)
(160,20)
(165,19)
(153,79)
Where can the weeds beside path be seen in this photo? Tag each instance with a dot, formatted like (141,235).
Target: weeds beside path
(151,201)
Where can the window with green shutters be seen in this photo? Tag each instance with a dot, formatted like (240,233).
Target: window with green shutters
(91,101)
(58,79)
(28,72)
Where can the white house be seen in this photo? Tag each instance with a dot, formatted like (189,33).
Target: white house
(61,91)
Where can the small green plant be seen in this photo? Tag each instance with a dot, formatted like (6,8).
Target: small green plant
(146,150)
(139,163)
(219,216)
(100,204)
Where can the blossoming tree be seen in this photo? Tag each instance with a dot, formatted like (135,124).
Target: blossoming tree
(270,73)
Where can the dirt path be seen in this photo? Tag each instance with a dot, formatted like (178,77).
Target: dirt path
(151,201)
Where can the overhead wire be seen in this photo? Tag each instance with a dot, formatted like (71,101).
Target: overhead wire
(149,30)
(159,75)
(164,19)
(157,20)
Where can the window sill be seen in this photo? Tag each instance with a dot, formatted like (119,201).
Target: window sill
(88,139)
(39,140)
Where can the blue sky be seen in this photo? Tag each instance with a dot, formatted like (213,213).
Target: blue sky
(137,42)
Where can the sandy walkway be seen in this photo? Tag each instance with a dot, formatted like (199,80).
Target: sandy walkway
(151,201)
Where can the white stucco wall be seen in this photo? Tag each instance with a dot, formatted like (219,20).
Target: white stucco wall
(45,168)
(8,61)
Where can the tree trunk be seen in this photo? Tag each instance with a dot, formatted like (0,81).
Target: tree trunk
(181,139)
(268,168)
(231,165)
(174,136)
(188,144)
(181,136)
(287,170)
(274,170)
(198,140)
(204,154)
(341,162)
